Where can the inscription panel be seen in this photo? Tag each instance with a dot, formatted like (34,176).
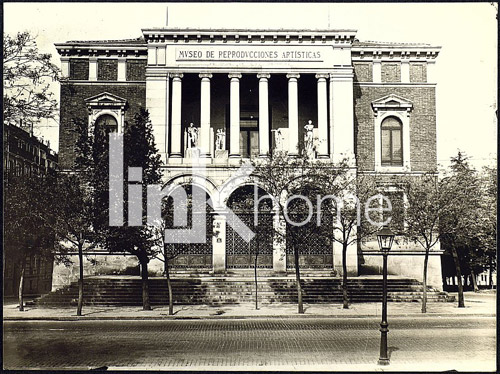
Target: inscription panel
(251,56)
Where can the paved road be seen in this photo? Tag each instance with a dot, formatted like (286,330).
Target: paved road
(278,343)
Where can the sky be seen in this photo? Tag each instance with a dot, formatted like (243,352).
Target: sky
(466,67)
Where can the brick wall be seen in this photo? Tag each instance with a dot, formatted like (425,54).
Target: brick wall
(79,69)
(422,125)
(73,106)
(391,72)
(107,70)
(136,70)
(363,72)
(418,73)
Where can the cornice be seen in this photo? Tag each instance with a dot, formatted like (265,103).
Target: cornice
(395,53)
(247,36)
(103,50)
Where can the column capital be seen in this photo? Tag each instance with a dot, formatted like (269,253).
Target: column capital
(205,75)
(234,75)
(263,76)
(293,76)
(176,75)
(322,76)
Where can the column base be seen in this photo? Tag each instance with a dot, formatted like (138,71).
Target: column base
(323,157)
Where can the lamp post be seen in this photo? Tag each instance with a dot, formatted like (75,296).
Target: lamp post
(385,238)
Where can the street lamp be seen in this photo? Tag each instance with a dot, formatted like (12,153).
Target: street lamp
(385,238)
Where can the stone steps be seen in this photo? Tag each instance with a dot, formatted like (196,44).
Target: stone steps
(110,291)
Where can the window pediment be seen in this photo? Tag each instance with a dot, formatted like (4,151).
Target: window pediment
(392,102)
(106,100)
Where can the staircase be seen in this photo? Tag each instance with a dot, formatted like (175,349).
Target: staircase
(211,290)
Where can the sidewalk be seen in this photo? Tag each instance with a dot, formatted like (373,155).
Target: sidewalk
(476,304)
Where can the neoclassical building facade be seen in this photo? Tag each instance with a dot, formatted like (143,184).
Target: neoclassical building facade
(231,95)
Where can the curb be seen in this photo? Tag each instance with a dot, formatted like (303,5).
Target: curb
(198,318)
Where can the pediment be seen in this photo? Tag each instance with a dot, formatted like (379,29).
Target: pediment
(392,102)
(105,99)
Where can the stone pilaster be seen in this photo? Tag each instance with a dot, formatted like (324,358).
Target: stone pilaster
(92,68)
(122,69)
(156,103)
(322,116)
(343,113)
(175,147)
(219,243)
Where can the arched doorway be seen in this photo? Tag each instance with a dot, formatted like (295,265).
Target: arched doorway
(239,253)
(191,255)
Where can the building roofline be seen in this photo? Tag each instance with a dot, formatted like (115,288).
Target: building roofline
(243,31)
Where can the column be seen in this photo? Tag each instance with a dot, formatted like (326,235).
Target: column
(234,115)
(322,116)
(205,114)
(219,243)
(263,114)
(293,114)
(156,103)
(343,113)
(175,146)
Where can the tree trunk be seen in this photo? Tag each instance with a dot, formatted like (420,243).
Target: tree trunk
(490,280)
(461,302)
(297,281)
(345,298)
(424,283)
(21,286)
(474,280)
(256,284)
(80,281)
(169,286)
(145,284)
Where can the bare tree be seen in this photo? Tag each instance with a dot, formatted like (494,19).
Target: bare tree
(284,176)
(27,75)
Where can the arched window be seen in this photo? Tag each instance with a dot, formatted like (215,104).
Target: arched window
(392,142)
(106,123)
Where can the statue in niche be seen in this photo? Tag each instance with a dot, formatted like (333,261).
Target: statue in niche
(192,136)
(308,139)
(220,140)
(278,140)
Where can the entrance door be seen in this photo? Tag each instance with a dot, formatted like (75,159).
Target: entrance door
(249,142)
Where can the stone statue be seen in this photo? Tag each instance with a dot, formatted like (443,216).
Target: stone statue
(192,136)
(278,140)
(220,140)
(308,138)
